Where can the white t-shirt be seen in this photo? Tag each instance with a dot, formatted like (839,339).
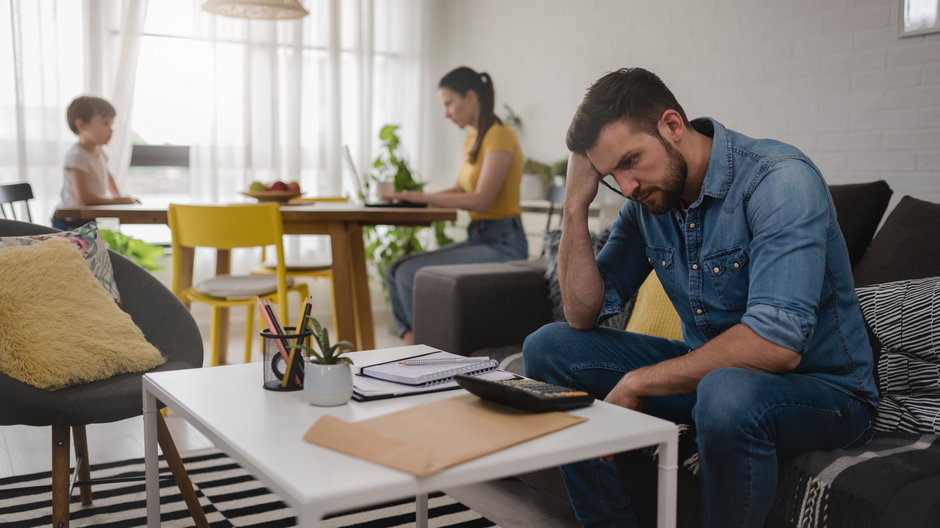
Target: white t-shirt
(95,169)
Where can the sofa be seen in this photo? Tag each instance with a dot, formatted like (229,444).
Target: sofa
(489,309)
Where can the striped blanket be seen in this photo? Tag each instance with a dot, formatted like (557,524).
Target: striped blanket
(851,488)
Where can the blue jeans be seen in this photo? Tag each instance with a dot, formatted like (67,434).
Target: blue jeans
(487,241)
(745,422)
(67,225)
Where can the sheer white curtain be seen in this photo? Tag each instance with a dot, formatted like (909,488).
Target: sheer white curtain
(282,98)
(53,51)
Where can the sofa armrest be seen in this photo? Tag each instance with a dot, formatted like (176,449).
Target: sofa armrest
(465,307)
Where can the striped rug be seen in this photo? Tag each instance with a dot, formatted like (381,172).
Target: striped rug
(229,496)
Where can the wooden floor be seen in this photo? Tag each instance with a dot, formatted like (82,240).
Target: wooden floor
(509,503)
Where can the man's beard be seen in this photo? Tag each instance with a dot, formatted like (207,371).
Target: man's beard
(673,184)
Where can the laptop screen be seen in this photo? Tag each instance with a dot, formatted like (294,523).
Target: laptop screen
(358,184)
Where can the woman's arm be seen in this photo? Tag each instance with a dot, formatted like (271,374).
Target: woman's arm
(492,176)
(79,181)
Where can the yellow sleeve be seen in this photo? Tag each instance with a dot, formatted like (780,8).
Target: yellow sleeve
(498,137)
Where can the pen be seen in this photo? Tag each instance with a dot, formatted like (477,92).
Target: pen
(432,361)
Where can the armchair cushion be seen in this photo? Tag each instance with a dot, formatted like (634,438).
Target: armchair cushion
(88,240)
(58,327)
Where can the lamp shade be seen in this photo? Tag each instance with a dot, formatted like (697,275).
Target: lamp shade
(260,9)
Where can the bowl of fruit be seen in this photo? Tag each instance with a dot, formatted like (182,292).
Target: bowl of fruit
(276,192)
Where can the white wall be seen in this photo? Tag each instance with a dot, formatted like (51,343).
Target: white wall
(829,76)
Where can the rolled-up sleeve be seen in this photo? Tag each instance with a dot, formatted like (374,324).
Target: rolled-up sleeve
(778,326)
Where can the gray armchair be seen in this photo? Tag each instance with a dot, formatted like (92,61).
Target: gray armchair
(167,324)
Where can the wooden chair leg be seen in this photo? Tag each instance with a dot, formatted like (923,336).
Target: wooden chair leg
(249,331)
(214,334)
(60,476)
(81,462)
(175,464)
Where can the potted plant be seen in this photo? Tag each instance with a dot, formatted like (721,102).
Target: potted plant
(327,373)
(385,244)
(141,253)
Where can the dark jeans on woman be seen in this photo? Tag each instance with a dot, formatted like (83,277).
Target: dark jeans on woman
(487,241)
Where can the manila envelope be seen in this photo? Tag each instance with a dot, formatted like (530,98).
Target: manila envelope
(428,438)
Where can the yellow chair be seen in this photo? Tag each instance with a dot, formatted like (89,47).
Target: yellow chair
(315,270)
(224,228)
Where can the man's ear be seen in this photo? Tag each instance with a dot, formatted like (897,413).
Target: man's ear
(671,125)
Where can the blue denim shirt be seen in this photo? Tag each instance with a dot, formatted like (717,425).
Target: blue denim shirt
(761,247)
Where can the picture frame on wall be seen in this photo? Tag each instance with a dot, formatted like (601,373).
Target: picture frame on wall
(918,17)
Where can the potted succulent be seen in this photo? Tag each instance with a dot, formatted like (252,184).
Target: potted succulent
(327,374)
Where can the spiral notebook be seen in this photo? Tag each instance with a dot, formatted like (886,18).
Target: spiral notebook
(429,369)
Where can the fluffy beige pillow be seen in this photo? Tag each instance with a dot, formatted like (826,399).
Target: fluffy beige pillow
(58,326)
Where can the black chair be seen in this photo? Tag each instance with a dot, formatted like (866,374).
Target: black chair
(15,192)
(168,325)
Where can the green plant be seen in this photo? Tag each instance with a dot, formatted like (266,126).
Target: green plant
(329,354)
(385,244)
(544,170)
(538,168)
(143,254)
(390,164)
(512,118)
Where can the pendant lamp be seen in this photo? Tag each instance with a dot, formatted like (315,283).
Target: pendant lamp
(256,9)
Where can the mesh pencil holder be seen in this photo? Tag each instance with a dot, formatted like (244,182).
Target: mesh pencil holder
(276,348)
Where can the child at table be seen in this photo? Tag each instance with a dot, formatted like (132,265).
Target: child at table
(86,178)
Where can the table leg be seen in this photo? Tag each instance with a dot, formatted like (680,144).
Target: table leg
(223,266)
(362,300)
(343,289)
(421,510)
(152,471)
(667,483)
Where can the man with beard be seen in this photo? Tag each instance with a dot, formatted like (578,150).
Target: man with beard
(742,233)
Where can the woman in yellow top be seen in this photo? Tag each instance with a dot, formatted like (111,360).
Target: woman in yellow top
(487,186)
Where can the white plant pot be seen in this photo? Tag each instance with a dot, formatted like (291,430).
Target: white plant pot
(532,187)
(327,385)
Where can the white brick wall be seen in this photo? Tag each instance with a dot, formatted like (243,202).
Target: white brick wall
(830,76)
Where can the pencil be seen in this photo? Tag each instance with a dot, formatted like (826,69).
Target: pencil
(283,344)
(287,369)
(308,306)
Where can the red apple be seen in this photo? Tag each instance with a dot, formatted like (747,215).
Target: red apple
(293,187)
(278,186)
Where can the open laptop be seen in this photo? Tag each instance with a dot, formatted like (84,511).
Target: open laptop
(360,187)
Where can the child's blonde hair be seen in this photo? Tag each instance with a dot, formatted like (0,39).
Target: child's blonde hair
(86,107)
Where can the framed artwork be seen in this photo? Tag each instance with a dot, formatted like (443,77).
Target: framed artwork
(917,17)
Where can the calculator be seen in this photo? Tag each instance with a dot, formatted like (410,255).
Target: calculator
(526,394)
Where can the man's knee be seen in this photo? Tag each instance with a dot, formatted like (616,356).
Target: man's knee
(541,349)
(728,397)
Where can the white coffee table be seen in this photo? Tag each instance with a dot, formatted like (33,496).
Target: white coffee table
(262,430)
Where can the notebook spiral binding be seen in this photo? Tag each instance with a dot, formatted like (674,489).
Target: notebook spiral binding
(438,378)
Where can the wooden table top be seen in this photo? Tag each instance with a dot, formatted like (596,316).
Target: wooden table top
(318,212)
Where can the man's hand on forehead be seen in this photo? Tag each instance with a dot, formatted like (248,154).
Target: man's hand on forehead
(581,182)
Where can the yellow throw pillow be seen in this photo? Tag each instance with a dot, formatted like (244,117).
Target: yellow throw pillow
(58,326)
(653,312)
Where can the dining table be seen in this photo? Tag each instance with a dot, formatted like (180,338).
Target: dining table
(342,222)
